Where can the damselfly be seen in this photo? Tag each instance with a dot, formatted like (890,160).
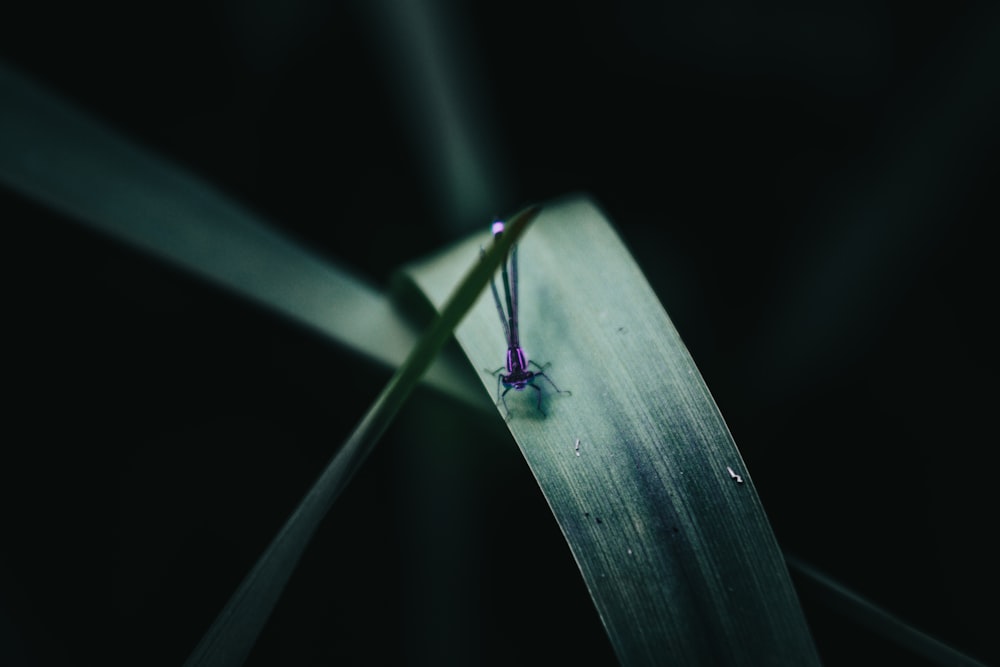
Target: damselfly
(518,375)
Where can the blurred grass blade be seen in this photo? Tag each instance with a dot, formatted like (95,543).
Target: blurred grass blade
(878,620)
(57,155)
(442,104)
(675,549)
(232,635)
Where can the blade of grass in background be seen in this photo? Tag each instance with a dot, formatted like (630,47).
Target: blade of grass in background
(867,614)
(57,155)
(232,635)
(439,92)
(637,464)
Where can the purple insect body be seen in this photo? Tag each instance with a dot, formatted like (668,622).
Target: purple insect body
(518,375)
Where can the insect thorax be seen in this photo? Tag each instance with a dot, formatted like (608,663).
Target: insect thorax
(517,361)
(518,380)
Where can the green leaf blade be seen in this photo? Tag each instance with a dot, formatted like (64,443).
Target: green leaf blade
(229,640)
(677,554)
(57,155)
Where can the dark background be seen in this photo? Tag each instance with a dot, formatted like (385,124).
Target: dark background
(808,189)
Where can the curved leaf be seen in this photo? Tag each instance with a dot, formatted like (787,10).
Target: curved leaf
(637,464)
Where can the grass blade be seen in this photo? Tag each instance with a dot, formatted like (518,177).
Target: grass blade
(878,620)
(57,155)
(675,550)
(232,635)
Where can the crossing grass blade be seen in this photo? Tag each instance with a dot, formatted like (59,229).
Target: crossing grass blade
(231,637)
(59,156)
(637,465)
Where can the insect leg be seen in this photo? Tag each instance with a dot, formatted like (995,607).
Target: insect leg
(503,397)
(539,390)
(558,391)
